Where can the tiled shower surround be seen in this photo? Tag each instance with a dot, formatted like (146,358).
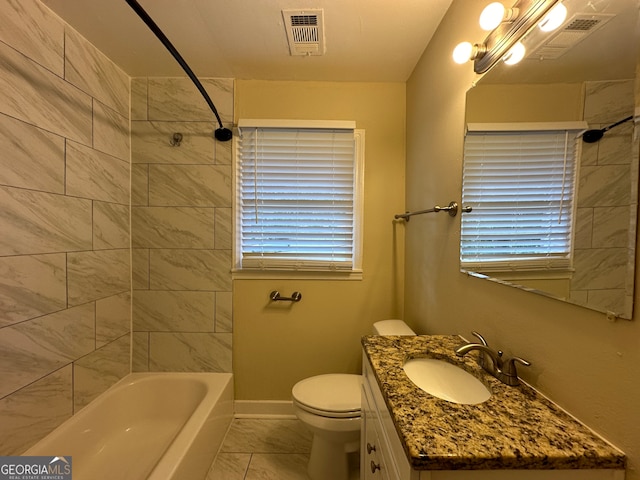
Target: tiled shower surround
(605,209)
(181,200)
(66,261)
(64,223)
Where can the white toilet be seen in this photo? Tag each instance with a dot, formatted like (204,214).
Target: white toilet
(329,405)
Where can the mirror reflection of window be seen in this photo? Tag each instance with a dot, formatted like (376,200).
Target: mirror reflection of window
(520,184)
(592,80)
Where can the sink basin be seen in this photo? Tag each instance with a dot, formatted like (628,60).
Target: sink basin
(446,381)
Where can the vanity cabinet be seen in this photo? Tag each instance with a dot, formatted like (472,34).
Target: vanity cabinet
(384,457)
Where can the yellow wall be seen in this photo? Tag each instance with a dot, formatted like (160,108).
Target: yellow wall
(560,102)
(587,364)
(277,344)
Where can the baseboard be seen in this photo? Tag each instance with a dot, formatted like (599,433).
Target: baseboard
(263,408)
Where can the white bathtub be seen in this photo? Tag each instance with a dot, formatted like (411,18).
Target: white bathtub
(155,426)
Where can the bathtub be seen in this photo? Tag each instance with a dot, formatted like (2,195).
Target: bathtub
(155,426)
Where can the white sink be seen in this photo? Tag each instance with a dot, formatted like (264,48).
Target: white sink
(446,381)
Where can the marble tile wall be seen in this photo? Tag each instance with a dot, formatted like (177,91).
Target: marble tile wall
(65,290)
(606,202)
(181,199)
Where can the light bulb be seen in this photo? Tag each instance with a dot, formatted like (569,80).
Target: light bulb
(492,16)
(462,52)
(515,54)
(554,18)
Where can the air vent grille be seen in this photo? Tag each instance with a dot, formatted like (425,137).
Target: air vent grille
(579,27)
(305,31)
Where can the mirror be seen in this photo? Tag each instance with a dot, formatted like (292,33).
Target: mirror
(584,71)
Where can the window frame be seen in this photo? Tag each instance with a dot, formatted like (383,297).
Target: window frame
(269,271)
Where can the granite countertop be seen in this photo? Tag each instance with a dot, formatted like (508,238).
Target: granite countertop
(517,428)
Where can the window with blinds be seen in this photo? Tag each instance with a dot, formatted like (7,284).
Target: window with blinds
(299,196)
(520,184)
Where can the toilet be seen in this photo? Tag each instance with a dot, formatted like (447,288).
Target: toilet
(329,406)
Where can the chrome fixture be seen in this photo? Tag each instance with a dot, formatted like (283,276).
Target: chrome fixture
(508,27)
(452,208)
(176,140)
(491,361)
(276,297)
(592,136)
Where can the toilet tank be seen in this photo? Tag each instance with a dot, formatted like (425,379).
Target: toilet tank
(392,327)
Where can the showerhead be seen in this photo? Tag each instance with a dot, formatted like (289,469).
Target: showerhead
(592,136)
(223,134)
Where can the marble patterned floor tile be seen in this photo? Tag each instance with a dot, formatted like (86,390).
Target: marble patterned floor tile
(31,285)
(37,222)
(278,467)
(32,412)
(259,435)
(229,466)
(249,437)
(33,30)
(31,93)
(92,72)
(27,149)
(35,348)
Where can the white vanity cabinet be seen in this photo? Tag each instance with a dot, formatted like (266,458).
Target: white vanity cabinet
(382,456)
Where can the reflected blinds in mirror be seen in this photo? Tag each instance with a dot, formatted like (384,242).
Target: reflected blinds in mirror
(521,187)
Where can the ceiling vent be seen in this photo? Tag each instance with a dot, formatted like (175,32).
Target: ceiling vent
(305,31)
(579,27)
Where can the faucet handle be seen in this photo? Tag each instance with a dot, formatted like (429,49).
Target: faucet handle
(509,369)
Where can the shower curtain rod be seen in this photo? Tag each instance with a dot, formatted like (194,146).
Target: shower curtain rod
(222,134)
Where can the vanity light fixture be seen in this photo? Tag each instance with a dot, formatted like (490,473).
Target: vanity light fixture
(494,14)
(554,18)
(514,55)
(511,25)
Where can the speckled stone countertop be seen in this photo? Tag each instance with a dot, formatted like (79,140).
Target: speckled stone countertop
(517,428)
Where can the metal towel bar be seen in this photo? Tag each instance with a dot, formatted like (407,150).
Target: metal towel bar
(452,208)
(276,297)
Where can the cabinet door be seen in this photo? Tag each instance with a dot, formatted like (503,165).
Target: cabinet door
(372,465)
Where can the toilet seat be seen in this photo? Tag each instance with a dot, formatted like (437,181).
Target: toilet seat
(334,395)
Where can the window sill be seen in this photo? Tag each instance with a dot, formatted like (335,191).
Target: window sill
(295,275)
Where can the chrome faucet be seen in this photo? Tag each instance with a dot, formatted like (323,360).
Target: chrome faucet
(491,361)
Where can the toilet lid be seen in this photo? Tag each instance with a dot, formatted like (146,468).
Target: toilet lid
(335,393)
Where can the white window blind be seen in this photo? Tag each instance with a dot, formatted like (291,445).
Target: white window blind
(299,198)
(520,185)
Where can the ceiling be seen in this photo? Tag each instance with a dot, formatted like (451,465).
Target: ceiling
(366,40)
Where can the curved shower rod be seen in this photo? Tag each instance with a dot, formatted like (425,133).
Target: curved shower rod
(222,134)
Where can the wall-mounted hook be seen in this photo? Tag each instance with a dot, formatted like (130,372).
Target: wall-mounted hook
(176,139)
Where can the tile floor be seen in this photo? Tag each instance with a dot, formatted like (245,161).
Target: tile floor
(265,449)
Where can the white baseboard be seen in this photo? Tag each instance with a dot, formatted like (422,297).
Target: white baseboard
(263,408)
